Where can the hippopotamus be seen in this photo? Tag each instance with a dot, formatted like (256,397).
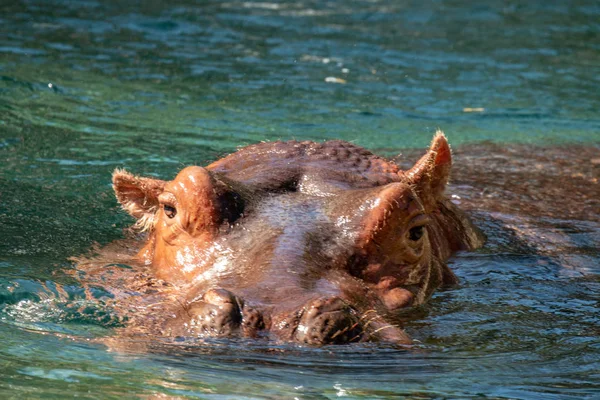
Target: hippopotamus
(316,243)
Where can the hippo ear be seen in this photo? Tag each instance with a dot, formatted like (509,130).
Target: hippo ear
(138,196)
(431,173)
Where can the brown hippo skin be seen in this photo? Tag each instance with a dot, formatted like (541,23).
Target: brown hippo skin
(310,242)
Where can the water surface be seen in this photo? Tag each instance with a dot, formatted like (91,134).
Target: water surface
(87,86)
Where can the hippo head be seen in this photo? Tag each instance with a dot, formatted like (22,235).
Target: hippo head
(283,222)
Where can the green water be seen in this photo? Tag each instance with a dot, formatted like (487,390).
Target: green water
(87,86)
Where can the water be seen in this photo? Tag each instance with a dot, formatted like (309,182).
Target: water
(87,86)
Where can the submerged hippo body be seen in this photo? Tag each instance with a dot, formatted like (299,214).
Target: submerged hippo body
(309,242)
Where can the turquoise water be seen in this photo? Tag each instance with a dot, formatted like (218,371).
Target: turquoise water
(87,86)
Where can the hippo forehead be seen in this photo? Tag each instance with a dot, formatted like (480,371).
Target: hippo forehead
(281,229)
(297,190)
(295,227)
(287,240)
(300,215)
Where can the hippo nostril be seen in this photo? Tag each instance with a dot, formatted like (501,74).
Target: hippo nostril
(328,321)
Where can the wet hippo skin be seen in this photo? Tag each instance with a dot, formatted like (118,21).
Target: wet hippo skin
(316,243)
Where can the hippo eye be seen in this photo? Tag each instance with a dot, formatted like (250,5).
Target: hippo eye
(416,233)
(170,211)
